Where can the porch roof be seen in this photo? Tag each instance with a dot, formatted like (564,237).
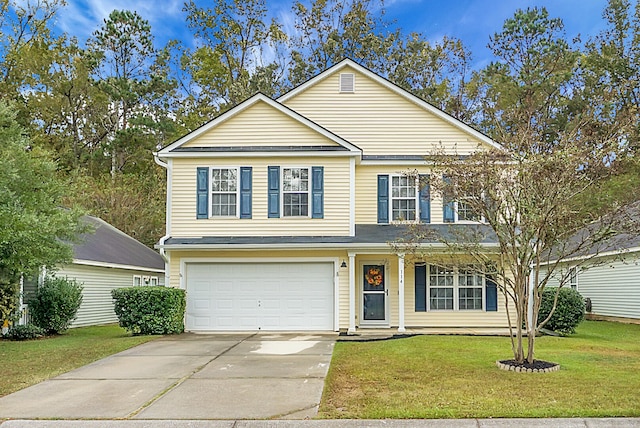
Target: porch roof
(366,235)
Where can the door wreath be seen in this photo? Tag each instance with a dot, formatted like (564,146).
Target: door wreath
(374,276)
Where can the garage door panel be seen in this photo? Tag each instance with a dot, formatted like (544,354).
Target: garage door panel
(267,296)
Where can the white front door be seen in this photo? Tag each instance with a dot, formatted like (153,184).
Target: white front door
(260,296)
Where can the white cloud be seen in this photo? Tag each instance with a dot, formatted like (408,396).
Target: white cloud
(81,18)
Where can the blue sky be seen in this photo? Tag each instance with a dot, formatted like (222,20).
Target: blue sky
(473,21)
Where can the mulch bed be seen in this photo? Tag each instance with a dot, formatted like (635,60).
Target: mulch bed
(538,366)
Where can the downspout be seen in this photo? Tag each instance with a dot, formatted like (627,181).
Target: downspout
(160,246)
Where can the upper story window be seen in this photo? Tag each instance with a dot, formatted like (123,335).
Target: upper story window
(404,195)
(403,198)
(458,211)
(466,213)
(224,192)
(295,192)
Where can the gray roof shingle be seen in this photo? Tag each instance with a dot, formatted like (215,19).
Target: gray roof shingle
(365,234)
(109,245)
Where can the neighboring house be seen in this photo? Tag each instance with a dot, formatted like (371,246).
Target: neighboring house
(280,213)
(609,280)
(103,260)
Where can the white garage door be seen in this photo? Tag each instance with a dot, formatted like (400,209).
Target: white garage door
(259,296)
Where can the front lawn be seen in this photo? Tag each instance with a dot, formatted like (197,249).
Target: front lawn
(29,362)
(456,377)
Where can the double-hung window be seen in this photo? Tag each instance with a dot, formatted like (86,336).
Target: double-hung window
(404,197)
(466,213)
(441,287)
(224,192)
(295,192)
(470,285)
(455,288)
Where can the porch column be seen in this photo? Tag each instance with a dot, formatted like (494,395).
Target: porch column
(352,293)
(401,328)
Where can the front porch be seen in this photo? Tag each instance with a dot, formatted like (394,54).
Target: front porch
(397,294)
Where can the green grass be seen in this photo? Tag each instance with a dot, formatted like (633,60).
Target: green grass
(28,362)
(456,377)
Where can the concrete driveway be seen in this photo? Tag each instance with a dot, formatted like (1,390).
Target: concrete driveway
(191,376)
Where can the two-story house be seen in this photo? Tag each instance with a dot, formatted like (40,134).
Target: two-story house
(280,213)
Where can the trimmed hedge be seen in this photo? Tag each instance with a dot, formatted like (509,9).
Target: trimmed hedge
(569,310)
(24,332)
(55,304)
(151,309)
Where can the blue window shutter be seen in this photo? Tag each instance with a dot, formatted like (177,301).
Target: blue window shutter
(317,192)
(448,210)
(425,199)
(491,294)
(245,192)
(202,193)
(274,192)
(383,199)
(421,288)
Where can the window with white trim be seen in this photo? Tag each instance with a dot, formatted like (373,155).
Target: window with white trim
(404,198)
(224,192)
(137,280)
(441,286)
(573,278)
(470,286)
(153,281)
(455,288)
(295,192)
(466,213)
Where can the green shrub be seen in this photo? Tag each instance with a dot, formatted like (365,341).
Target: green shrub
(24,332)
(569,310)
(150,310)
(55,304)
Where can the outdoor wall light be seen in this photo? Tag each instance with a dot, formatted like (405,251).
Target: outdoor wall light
(344,264)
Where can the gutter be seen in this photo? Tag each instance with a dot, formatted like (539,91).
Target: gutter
(161,247)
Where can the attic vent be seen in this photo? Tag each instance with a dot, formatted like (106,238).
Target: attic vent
(347,82)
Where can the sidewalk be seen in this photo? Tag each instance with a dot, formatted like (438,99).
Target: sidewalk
(335,423)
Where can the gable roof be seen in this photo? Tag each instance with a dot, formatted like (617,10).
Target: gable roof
(108,245)
(176,147)
(395,89)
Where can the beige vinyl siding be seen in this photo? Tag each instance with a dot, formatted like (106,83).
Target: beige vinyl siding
(97,304)
(458,318)
(367,192)
(260,125)
(336,200)
(412,318)
(420,319)
(378,120)
(613,285)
